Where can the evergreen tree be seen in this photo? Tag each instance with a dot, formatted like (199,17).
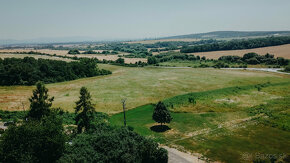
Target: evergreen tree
(84,110)
(40,102)
(161,114)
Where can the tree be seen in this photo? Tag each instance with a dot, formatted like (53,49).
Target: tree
(40,102)
(120,61)
(34,141)
(152,60)
(84,110)
(161,114)
(74,51)
(114,145)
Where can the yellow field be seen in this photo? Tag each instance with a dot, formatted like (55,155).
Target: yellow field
(9,55)
(64,53)
(278,51)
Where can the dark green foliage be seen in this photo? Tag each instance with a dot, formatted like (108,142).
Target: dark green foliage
(151,60)
(114,145)
(84,110)
(161,114)
(6,116)
(120,61)
(90,52)
(253,58)
(238,44)
(74,51)
(287,68)
(28,71)
(40,102)
(221,65)
(34,141)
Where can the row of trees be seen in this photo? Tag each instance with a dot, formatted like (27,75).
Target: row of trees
(164,57)
(237,44)
(254,58)
(27,71)
(41,137)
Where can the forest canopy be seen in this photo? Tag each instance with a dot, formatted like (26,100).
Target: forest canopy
(28,71)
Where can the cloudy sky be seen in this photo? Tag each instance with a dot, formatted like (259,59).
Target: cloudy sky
(132,19)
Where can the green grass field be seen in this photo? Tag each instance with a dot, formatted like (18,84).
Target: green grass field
(226,131)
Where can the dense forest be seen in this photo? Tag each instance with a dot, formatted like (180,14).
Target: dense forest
(28,71)
(237,44)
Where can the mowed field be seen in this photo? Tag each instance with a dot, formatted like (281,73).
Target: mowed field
(232,124)
(9,55)
(64,53)
(139,86)
(278,51)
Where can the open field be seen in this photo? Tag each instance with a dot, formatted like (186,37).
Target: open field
(9,55)
(278,51)
(139,85)
(224,124)
(64,53)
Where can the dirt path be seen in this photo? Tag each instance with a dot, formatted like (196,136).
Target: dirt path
(175,156)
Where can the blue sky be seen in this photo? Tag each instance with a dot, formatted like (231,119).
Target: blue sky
(131,19)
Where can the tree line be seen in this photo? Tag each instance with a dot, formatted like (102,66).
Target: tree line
(28,71)
(42,137)
(237,44)
(248,58)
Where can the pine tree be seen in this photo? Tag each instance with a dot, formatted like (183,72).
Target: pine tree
(40,102)
(161,114)
(84,110)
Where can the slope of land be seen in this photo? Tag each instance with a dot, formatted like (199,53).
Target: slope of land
(139,85)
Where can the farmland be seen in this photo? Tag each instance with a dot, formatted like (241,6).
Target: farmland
(279,51)
(4,54)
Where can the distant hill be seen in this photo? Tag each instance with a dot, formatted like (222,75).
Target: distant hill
(230,34)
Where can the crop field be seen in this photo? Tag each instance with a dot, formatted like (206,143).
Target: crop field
(233,124)
(10,55)
(278,51)
(64,53)
(139,86)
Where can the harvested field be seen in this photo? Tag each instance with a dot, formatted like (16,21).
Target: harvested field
(9,55)
(64,53)
(278,51)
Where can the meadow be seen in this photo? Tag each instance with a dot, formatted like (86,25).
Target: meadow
(235,114)
(138,85)
(233,124)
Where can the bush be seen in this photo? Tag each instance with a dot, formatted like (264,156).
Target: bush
(113,145)
(74,51)
(33,141)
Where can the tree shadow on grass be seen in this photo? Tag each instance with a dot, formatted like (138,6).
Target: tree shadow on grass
(160,128)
